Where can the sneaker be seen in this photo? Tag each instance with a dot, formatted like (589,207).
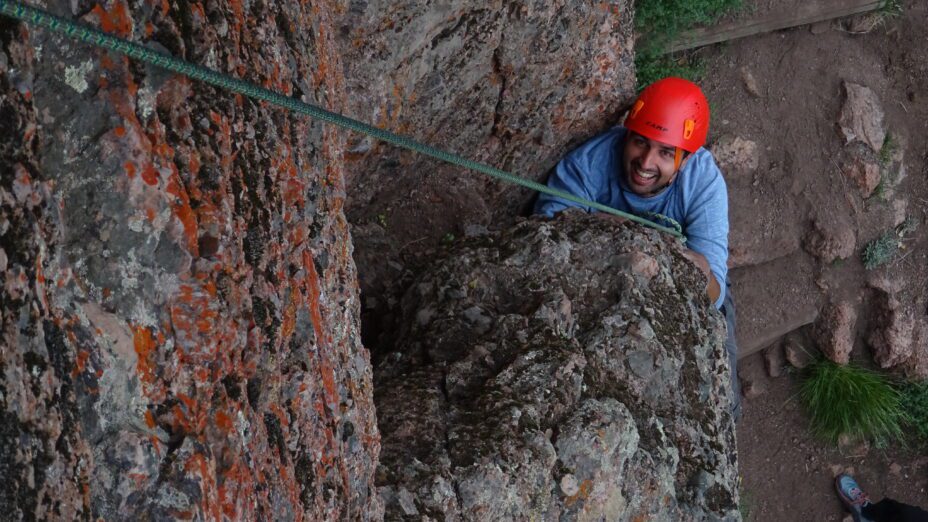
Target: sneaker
(853,498)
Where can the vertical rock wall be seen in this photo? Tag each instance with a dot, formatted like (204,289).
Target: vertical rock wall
(178,303)
(511,84)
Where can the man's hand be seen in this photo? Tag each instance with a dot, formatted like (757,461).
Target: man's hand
(712,286)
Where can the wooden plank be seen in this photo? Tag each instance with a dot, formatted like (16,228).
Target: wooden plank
(807,13)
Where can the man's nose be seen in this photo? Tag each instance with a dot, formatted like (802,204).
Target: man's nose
(649,161)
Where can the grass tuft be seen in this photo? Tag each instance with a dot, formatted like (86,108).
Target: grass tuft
(889,147)
(879,251)
(882,249)
(852,401)
(915,404)
(662,21)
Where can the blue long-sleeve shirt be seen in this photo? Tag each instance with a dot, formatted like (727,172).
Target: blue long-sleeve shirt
(697,198)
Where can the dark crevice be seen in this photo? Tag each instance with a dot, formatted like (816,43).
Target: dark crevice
(502,80)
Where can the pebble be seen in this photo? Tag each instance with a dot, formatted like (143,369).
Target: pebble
(569,485)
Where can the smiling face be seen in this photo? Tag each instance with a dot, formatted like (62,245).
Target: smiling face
(649,165)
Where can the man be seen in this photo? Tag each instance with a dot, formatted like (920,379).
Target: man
(656,165)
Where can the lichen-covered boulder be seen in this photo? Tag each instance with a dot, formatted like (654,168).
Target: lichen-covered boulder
(571,369)
(178,303)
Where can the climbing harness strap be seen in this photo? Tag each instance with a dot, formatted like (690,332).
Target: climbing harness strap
(96,37)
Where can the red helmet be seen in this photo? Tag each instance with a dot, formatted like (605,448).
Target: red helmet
(673,111)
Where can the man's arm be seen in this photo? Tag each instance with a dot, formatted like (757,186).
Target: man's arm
(713,288)
(707,225)
(569,176)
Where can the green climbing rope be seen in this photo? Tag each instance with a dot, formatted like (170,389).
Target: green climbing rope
(96,37)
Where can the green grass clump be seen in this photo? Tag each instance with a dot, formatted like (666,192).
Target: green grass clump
(889,147)
(660,22)
(915,404)
(852,401)
(880,251)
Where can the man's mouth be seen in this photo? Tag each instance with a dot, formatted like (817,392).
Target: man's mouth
(643,177)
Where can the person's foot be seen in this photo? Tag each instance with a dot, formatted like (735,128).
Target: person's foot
(853,498)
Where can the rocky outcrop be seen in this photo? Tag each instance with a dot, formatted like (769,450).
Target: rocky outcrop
(567,369)
(511,84)
(178,305)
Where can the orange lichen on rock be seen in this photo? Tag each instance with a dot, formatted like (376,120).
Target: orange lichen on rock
(116,20)
(144,347)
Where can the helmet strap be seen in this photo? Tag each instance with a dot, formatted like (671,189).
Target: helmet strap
(677,158)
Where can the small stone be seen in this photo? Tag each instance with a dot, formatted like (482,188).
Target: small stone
(895,468)
(641,265)
(865,173)
(864,23)
(735,155)
(3,260)
(899,211)
(820,27)
(424,316)
(853,447)
(836,469)
(475,230)
(848,518)
(831,240)
(834,331)
(796,354)
(891,339)
(569,485)
(862,117)
(750,83)
(407,502)
(773,360)
(751,389)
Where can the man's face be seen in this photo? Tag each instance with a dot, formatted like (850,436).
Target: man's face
(648,164)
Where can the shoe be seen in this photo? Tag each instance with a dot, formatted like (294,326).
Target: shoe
(853,498)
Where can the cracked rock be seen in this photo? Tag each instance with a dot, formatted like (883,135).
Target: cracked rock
(637,389)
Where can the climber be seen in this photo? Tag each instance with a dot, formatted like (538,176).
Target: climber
(655,165)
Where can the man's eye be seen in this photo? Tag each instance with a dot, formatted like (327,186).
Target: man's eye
(666,154)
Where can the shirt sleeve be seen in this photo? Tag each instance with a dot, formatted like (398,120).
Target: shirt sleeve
(572,177)
(707,226)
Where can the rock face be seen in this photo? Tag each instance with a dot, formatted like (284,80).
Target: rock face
(178,305)
(511,84)
(567,369)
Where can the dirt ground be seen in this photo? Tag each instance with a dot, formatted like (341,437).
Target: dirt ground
(792,117)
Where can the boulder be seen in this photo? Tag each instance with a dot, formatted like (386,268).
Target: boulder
(831,239)
(861,117)
(864,172)
(893,328)
(834,331)
(595,393)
